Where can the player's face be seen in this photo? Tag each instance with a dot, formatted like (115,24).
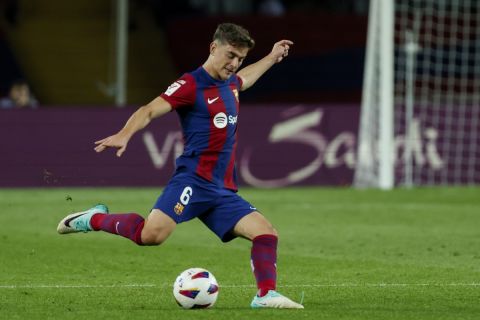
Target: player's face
(227,59)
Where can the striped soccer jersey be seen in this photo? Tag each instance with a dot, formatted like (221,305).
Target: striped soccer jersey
(208,111)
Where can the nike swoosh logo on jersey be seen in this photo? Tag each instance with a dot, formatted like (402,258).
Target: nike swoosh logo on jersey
(210,101)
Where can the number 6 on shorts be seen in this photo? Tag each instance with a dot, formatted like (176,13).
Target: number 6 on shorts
(186,194)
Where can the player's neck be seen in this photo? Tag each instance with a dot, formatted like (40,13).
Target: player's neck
(208,67)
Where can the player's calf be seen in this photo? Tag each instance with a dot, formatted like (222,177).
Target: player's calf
(127,225)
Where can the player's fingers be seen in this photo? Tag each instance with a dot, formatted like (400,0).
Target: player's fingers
(121,151)
(285,42)
(100,141)
(100,148)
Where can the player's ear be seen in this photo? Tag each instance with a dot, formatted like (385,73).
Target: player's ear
(213,47)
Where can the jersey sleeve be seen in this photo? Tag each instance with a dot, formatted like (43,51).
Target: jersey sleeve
(239,82)
(181,93)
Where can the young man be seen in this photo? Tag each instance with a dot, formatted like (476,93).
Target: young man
(204,184)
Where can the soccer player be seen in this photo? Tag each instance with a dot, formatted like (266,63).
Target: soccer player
(204,184)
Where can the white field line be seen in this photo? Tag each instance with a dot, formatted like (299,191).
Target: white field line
(151,285)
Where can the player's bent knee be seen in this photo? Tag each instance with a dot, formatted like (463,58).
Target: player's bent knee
(274,231)
(254,225)
(265,227)
(158,227)
(150,238)
(268,229)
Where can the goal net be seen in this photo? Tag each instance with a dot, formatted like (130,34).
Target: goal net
(420,117)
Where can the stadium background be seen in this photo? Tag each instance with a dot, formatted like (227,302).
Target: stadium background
(66,51)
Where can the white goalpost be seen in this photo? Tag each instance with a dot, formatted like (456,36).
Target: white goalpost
(420,116)
(375,148)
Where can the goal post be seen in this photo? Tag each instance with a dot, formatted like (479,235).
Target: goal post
(375,151)
(420,113)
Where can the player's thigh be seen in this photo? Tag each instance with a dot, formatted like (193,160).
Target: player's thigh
(158,226)
(253,225)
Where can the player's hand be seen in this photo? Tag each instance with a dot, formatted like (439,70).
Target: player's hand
(280,50)
(118,141)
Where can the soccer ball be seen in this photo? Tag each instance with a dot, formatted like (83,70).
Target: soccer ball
(195,288)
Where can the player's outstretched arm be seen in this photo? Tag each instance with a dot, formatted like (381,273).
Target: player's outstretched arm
(251,73)
(139,120)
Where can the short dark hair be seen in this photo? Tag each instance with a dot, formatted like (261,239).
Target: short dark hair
(234,35)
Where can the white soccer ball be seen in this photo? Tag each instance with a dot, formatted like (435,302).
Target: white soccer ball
(195,288)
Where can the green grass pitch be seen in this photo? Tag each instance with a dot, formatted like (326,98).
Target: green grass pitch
(405,254)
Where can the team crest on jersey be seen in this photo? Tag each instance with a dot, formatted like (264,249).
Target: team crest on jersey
(178,208)
(235,93)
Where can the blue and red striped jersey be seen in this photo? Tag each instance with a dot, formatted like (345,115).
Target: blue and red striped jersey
(208,110)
